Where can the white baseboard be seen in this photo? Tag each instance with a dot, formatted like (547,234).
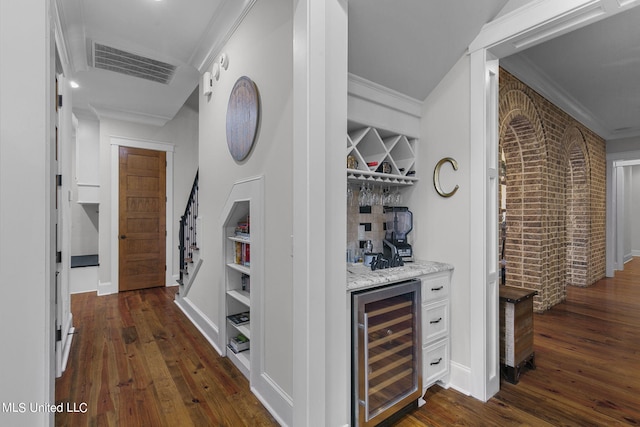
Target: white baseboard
(460,378)
(107,288)
(83,279)
(274,398)
(635,252)
(200,321)
(67,347)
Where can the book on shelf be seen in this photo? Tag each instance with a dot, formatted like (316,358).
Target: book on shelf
(239,318)
(241,235)
(242,254)
(246,283)
(239,343)
(243,226)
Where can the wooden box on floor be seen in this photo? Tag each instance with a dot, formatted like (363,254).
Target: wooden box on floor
(516,331)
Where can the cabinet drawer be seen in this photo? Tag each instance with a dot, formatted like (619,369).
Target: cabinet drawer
(435,360)
(435,286)
(435,321)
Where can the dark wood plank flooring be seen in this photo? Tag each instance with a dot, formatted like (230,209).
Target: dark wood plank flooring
(588,367)
(137,361)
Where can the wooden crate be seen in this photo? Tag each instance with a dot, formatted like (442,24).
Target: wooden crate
(516,331)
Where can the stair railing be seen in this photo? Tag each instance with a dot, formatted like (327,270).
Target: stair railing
(188,234)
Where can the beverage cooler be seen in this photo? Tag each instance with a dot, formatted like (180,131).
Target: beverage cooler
(386,353)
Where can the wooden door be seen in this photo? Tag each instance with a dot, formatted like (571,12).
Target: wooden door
(142,200)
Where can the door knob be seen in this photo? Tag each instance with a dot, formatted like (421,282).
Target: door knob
(122,237)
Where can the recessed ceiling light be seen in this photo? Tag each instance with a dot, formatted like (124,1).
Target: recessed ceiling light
(74,85)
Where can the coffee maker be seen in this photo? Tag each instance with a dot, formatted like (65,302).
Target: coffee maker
(398,224)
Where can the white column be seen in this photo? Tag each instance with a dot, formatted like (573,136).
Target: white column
(27,256)
(321,391)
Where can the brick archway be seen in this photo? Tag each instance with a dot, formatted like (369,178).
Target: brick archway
(523,144)
(578,208)
(556,182)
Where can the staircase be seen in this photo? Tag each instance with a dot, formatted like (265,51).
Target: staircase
(190,260)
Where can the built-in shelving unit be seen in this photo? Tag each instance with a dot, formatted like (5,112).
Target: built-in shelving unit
(237,254)
(378,155)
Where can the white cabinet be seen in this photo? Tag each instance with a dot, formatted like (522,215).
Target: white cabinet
(378,155)
(436,340)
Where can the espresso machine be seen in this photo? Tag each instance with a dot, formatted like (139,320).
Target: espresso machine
(398,224)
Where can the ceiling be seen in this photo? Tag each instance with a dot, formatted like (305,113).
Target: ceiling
(182,33)
(591,73)
(411,48)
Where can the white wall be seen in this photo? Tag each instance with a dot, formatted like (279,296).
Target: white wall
(629,219)
(261,48)
(623,144)
(635,211)
(26,325)
(86,167)
(441,229)
(182,131)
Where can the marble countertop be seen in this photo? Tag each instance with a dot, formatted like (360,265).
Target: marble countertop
(361,277)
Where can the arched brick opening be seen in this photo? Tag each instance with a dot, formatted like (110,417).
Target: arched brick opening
(522,143)
(562,190)
(578,209)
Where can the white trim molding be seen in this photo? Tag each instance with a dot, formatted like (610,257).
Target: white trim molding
(524,27)
(200,321)
(116,143)
(371,104)
(615,198)
(224,23)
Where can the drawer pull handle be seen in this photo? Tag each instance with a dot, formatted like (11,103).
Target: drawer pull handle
(436,363)
(438,288)
(436,321)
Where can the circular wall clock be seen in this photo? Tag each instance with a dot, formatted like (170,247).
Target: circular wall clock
(243,114)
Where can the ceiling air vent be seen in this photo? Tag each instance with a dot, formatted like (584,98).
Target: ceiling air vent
(110,58)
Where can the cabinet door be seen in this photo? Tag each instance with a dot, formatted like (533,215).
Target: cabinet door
(435,360)
(435,321)
(435,287)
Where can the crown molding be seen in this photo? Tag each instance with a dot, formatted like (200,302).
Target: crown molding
(541,20)
(105,112)
(382,95)
(529,73)
(224,23)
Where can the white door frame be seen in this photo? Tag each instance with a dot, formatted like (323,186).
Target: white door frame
(116,143)
(615,208)
(525,27)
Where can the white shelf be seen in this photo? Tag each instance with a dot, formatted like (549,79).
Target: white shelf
(243,329)
(372,145)
(240,296)
(240,239)
(359,176)
(241,360)
(241,268)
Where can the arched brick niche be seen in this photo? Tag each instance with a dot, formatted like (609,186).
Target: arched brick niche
(555,198)
(578,209)
(522,143)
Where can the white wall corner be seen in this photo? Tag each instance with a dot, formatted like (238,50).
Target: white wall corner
(107,288)
(279,404)
(460,378)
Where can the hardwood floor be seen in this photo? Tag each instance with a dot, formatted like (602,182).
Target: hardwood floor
(137,361)
(588,367)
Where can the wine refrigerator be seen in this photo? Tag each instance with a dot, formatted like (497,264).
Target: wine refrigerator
(386,351)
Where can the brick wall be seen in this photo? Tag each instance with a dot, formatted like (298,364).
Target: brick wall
(555,197)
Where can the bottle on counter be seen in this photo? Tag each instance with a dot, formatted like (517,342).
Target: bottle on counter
(368,253)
